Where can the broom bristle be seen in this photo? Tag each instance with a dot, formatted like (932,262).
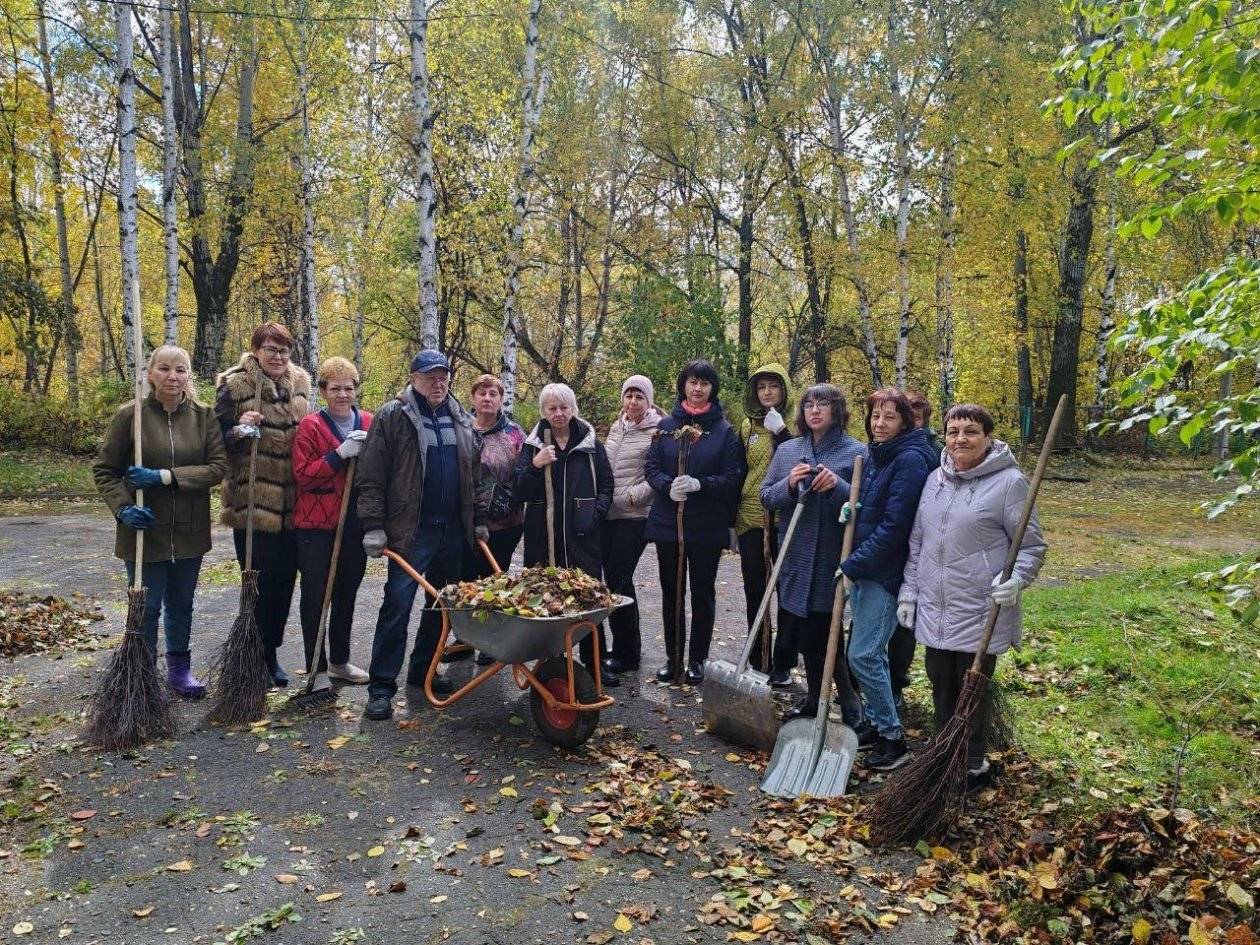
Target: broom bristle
(130,705)
(1000,735)
(240,679)
(915,802)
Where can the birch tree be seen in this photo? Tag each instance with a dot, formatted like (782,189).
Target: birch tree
(127,187)
(426,197)
(307,296)
(532,91)
(946,369)
(170,160)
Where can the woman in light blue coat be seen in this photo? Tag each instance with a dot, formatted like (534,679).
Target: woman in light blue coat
(967,513)
(819,462)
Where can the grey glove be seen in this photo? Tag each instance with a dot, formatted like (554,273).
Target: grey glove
(374,542)
(352,445)
(243,431)
(481,533)
(1006,593)
(905,613)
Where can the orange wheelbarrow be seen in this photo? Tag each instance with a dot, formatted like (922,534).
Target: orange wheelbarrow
(565,698)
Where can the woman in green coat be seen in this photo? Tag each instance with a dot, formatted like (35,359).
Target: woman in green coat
(183,458)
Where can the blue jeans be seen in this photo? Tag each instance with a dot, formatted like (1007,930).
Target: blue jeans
(437,552)
(874,619)
(171,586)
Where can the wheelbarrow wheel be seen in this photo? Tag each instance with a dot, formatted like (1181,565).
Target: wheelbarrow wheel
(567,728)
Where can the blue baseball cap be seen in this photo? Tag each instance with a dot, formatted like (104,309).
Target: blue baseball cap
(429,360)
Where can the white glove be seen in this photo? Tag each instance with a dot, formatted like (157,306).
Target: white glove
(1006,593)
(681,486)
(905,613)
(773,421)
(374,542)
(246,431)
(352,445)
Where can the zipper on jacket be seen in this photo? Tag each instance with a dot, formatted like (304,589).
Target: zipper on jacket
(170,432)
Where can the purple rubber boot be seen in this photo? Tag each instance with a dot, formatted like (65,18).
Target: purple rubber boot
(180,678)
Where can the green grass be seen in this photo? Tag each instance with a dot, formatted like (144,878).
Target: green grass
(1122,675)
(43,473)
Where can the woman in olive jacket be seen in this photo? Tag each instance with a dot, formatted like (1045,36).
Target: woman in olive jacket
(182,450)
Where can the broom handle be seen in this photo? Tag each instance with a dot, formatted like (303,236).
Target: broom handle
(1017,540)
(764,607)
(837,604)
(680,574)
(253,467)
(550,491)
(322,635)
(138,460)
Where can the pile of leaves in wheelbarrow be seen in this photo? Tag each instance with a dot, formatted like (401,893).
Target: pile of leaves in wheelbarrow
(31,624)
(542,591)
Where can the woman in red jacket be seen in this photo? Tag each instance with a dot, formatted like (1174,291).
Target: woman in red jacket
(325,442)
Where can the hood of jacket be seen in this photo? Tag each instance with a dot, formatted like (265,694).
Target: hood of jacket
(752,406)
(998,458)
(581,436)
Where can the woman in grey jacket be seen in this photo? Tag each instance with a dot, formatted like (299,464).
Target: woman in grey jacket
(968,510)
(627,444)
(814,468)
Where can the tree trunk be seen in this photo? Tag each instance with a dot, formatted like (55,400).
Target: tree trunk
(901,163)
(1022,356)
(170,159)
(531,99)
(426,198)
(127,187)
(1107,317)
(309,299)
(1065,351)
(365,228)
(69,312)
(945,279)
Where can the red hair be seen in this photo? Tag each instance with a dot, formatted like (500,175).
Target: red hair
(889,395)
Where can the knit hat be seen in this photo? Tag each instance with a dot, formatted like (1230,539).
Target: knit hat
(429,360)
(640,383)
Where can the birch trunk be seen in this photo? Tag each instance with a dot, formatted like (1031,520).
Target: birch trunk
(366,225)
(69,312)
(901,163)
(1022,355)
(531,99)
(127,220)
(1107,319)
(945,278)
(426,197)
(310,302)
(170,222)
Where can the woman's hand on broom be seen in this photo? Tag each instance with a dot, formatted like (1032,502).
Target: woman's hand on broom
(136,516)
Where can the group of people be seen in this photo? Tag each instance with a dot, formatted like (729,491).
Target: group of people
(432,480)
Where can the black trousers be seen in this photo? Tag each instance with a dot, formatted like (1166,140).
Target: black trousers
(946,670)
(314,547)
(754,567)
(812,636)
(623,547)
(276,561)
(502,545)
(702,566)
(900,657)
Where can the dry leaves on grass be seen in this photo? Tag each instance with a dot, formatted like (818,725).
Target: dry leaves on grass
(30,624)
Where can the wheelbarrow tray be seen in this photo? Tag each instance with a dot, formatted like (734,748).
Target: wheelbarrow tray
(507,638)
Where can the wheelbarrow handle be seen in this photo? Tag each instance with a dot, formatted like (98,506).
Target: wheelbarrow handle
(412,573)
(489,556)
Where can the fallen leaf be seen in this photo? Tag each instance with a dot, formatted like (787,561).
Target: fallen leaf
(731,756)
(23,928)
(377,850)
(262,746)
(641,875)
(580,916)
(762,923)
(1239,896)
(143,911)
(567,841)
(329,896)
(398,886)
(183,866)
(622,923)
(339,742)
(76,844)
(1199,934)
(285,879)
(508,792)
(798,846)
(438,900)
(517,873)
(1141,931)
(83,815)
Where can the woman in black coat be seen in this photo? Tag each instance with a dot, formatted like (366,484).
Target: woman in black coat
(709,492)
(582,483)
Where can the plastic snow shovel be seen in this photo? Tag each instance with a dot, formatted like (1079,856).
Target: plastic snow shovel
(811,756)
(738,703)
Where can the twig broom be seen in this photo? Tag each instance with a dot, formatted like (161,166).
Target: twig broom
(131,705)
(930,789)
(240,676)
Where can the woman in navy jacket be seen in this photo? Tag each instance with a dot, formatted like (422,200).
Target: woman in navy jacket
(891,483)
(710,495)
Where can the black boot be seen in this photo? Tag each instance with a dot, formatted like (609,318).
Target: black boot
(806,708)
(666,673)
(695,674)
(279,678)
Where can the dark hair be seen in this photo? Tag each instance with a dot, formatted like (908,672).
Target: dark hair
(824,394)
(702,369)
(889,395)
(971,412)
(270,331)
(920,404)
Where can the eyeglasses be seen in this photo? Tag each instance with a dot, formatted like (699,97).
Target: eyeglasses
(272,351)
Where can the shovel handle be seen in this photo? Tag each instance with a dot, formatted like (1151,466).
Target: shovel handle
(1017,539)
(326,608)
(837,605)
(764,606)
(550,491)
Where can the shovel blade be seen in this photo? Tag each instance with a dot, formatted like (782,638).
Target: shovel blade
(830,777)
(739,707)
(792,762)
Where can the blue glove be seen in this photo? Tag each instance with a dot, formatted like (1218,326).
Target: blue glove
(137,517)
(139,477)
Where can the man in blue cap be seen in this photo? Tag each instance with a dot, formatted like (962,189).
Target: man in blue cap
(417,483)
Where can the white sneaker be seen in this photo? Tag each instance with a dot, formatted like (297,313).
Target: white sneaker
(347,672)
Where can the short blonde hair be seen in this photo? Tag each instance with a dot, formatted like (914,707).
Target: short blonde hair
(486,380)
(168,351)
(559,392)
(337,367)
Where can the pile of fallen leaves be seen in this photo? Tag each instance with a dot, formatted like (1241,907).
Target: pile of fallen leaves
(535,592)
(30,624)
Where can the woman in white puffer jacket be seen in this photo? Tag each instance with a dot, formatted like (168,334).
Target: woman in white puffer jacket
(627,444)
(968,510)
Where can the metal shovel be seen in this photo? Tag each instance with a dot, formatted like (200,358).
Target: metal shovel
(810,756)
(738,703)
